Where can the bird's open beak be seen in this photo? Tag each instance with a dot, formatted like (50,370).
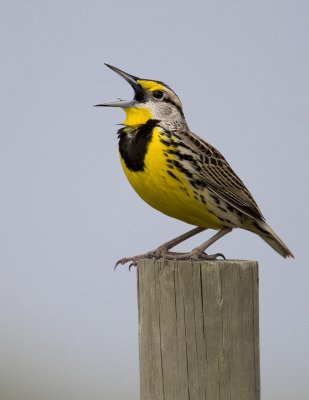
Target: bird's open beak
(132,80)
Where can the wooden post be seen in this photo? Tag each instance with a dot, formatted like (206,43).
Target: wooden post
(198,330)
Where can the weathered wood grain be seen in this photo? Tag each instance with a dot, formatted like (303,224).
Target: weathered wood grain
(198,330)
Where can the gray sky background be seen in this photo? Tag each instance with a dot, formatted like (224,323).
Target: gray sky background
(68,322)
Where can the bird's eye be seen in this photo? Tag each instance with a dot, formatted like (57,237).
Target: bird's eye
(158,94)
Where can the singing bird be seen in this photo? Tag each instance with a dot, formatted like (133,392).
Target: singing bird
(180,174)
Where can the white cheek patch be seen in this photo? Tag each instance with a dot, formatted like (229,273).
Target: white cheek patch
(162,110)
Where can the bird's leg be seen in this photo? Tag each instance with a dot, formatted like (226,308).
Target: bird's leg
(162,250)
(198,253)
(179,239)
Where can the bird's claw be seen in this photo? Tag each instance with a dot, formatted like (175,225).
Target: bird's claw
(168,255)
(132,260)
(212,256)
(133,264)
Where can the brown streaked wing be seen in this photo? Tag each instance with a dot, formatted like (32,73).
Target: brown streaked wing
(222,180)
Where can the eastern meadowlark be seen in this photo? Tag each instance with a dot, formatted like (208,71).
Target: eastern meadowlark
(181,175)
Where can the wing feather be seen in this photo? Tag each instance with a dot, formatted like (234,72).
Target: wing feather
(219,178)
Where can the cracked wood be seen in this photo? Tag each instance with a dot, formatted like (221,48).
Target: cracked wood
(198,330)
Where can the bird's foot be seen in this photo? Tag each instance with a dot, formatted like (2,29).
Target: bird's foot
(162,252)
(197,256)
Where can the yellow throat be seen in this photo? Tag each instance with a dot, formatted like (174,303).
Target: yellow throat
(137,115)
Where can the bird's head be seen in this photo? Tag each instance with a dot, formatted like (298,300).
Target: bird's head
(152,100)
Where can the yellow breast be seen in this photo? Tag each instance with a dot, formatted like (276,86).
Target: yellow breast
(167,189)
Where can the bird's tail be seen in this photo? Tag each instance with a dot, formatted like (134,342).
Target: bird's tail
(270,237)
